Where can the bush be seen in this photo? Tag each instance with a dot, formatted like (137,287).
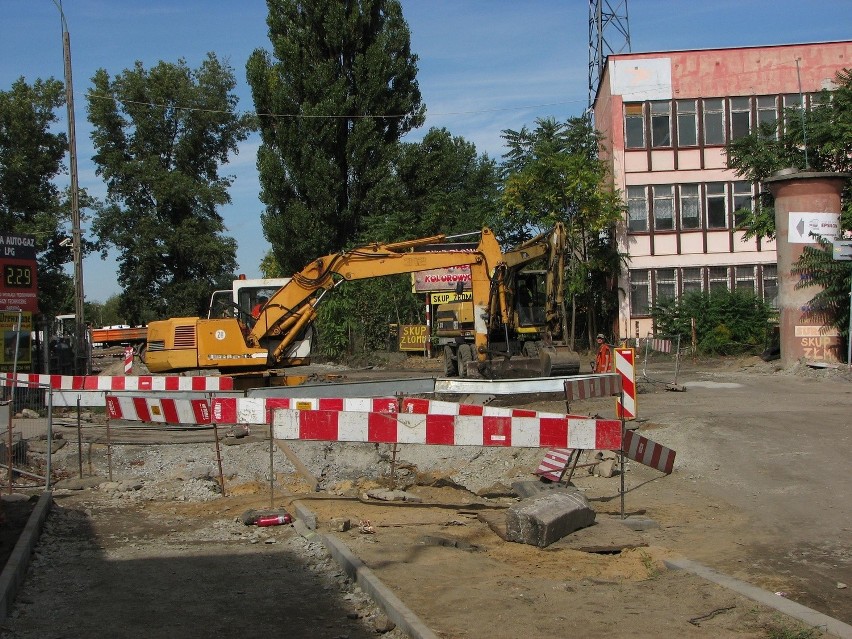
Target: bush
(726,322)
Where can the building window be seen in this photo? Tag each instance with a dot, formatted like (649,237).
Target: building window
(687,123)
(640,293)
(767,114)
(637,209)
(743,202)
(634,126)
(714,121)
(690,207)
(691,281)
(663,207)
(717,209)
(718,278)
(666,280)
(792,106)
(661,123)
(744,278)
(770,284)
(740,117)
(821,98)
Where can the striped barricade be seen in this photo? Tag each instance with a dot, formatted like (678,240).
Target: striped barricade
(157,409)
(658,344)
(625,405)
(258,410)
(447,430)
(553,465)
(91,390)
(123,382)
(601,386)
(437,407)
(649,453)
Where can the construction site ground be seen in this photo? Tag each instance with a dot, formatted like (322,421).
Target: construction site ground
(760,492)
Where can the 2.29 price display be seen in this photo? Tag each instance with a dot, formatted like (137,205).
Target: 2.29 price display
(15,276)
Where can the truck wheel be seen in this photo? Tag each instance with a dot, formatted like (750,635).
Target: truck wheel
(465,355)
(450,367)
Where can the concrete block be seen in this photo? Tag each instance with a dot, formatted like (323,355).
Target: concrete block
(539,521)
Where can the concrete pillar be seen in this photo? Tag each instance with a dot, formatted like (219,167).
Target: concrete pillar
(805,202)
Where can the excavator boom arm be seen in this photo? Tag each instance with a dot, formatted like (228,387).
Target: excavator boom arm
(293,306)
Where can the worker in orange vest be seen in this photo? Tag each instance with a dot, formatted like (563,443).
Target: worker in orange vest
(603,362)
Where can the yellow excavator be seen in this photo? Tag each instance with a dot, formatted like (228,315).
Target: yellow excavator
(241,345)
(532,339)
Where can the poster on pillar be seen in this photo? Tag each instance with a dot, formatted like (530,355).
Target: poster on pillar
(805,227)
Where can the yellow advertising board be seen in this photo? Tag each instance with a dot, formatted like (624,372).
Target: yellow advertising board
(8,324)
(412,337)
(443,298)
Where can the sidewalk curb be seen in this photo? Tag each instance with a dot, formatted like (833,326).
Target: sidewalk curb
(393,607)
(16,567)
(804,614)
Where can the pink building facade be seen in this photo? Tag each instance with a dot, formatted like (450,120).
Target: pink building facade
(666,118)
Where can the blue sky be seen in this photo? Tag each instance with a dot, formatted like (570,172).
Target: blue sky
(484,65)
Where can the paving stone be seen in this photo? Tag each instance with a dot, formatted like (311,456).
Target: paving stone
(539,521)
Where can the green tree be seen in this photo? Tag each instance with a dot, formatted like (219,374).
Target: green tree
(726,322)
(160,137)
(333,99)
(553,174)
(444,187)
(30,202)
(827,128)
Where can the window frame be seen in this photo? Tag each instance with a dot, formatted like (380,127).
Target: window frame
(740,196)
(635,285)
(690,198)
(741,275)
(687,120)
(663,279)
(660,110)
(739,106)
(634,117)
(711,279)
(717,113)
(635,199)
(714,198)
(684,279)
(763,109)
(659,201)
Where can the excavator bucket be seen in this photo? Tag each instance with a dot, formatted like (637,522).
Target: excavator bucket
(551,360)
(563,360)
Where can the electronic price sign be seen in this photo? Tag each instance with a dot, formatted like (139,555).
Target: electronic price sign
(18,286)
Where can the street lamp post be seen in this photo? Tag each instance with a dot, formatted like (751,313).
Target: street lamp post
(81,358)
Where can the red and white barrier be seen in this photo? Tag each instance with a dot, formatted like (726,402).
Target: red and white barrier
(625,405)
(553,465)
(449,430)
(589,387)
(128,360)
(649,453)
(413,405)
(660,345)
(166,410)
(123,383)
(258,410)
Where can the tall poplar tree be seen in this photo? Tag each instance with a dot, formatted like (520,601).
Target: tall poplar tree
(160,137)
(333,99)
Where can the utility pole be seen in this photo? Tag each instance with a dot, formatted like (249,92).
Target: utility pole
(81,342)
